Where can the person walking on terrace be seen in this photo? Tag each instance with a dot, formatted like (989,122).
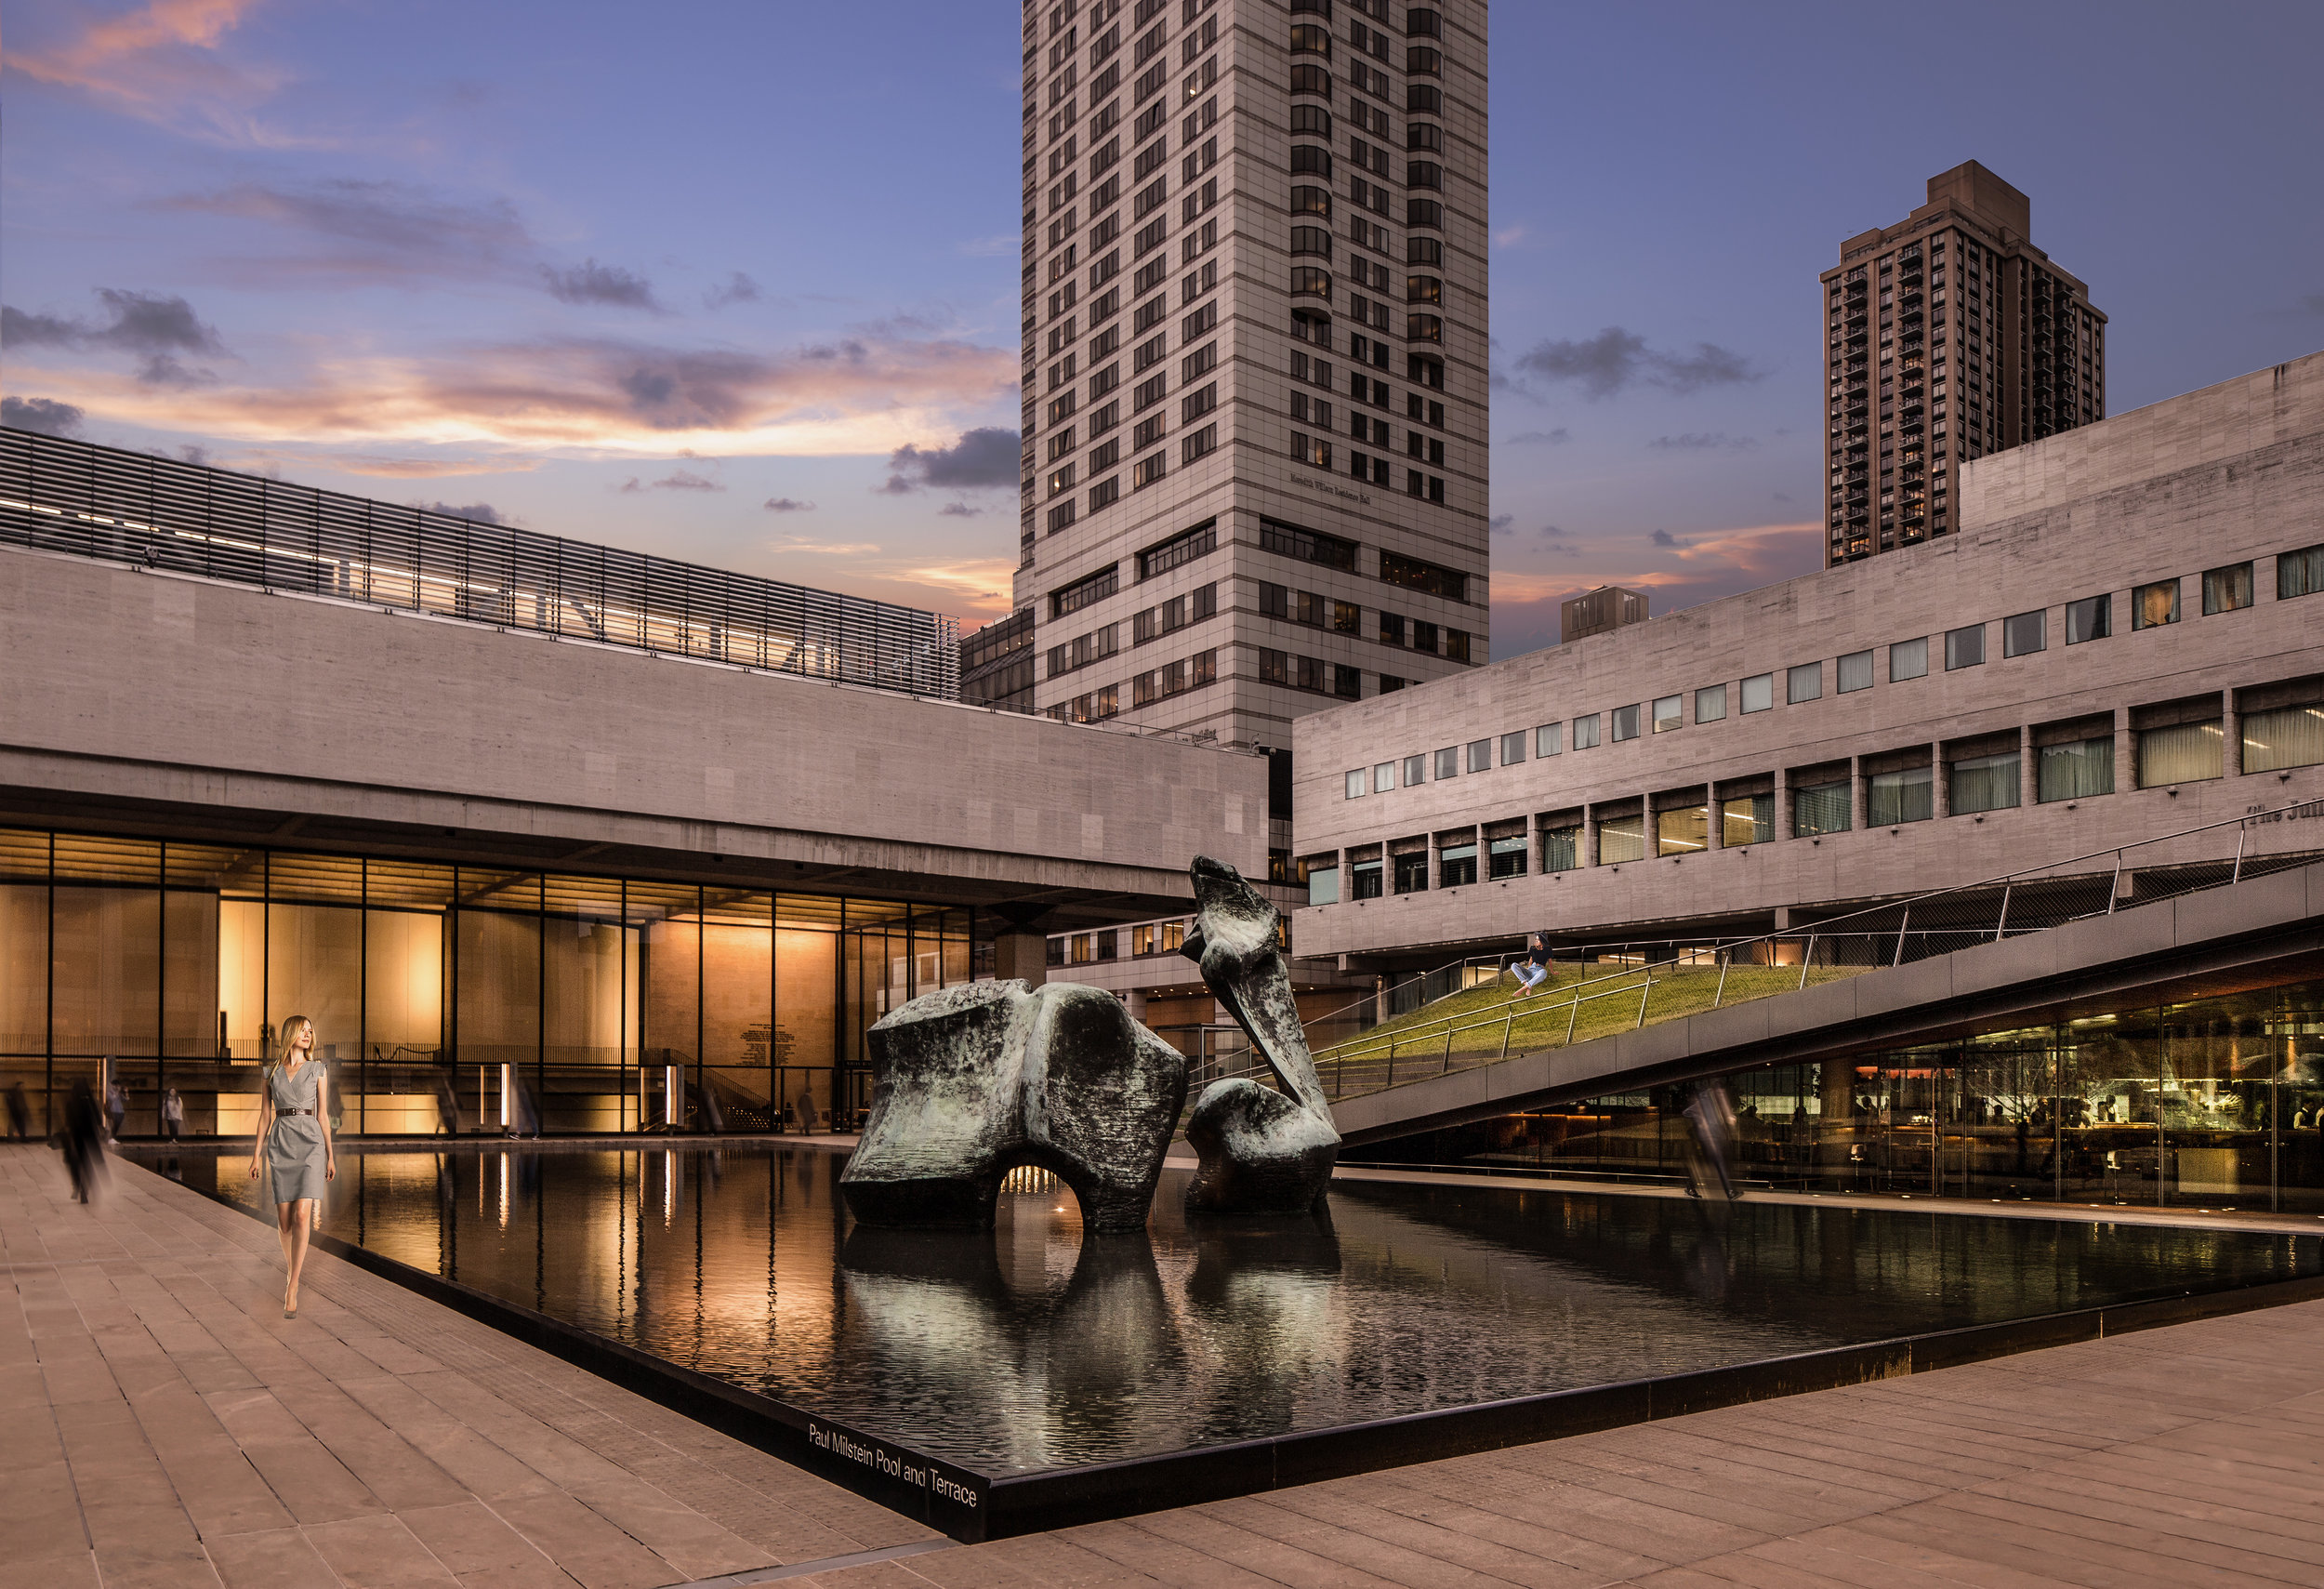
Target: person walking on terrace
(295,1140)
(1533,970)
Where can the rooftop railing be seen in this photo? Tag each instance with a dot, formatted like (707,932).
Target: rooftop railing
(58,495)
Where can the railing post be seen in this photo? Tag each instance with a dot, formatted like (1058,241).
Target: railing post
(1644,994)
(2006,889)
(1507,1022)
(2243,831)
(1725,959)
(1807,958)
(1573,1015)
(1903,922)
(1446,1069)
(2114,889)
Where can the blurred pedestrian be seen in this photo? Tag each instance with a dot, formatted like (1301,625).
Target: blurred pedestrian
(19,1111)
(295,1139)
(1711,1121)
(117,1106)
(173,1113)
(83,1140)
(447,1110)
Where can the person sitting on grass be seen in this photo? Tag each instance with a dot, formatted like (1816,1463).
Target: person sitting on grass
(1533,970)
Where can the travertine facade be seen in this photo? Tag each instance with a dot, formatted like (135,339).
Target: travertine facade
(1255,264)
(2193,525)
(1950,335)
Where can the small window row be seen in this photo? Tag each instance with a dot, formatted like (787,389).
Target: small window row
(1155,684)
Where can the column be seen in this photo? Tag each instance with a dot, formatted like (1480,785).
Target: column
(1021,954)
(1859,798)
(1940,797)
(1715,822)
(1379,1002)
(1589,856)
(1134,1001)
(2231,733)
(2028,771)
(1783,804)
(2125,752)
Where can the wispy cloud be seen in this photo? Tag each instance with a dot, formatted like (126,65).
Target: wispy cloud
(482,512)
(153,328)
(980,460)
(1663,539)
(1604,364)
(826,548)
(41,414)
(162,64)
(957,510)
(589,282)
(1700,441)
(371,232)
(992,247)
(736,288)
(788,505)
(677,480)
(591,395)
(1542,438)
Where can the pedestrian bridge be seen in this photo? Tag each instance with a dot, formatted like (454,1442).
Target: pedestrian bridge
(2214,910)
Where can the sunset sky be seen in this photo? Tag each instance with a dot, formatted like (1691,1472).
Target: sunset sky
(737,283)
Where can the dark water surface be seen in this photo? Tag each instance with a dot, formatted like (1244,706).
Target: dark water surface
(1030,1347)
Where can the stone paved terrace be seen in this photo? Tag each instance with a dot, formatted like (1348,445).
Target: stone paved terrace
(161,1423)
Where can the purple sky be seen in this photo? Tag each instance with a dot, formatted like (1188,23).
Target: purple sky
(737,284)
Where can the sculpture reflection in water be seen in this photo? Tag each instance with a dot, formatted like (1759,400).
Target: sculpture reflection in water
(974,1081)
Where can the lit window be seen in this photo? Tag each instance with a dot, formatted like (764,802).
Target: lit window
(2154,606)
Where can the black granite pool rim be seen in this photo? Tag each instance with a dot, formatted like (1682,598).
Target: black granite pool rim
(971,1506)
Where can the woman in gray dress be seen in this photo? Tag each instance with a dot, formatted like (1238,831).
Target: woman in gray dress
(295,1138)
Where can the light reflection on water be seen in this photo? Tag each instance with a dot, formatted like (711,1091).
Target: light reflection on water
(1031,1347)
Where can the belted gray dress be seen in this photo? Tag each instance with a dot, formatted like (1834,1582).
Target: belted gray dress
(294,1144)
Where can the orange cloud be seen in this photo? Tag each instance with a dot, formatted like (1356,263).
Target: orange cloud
(162,64)
(582,396)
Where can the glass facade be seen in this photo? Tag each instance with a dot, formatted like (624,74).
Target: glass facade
(2211,1103)
(445,995)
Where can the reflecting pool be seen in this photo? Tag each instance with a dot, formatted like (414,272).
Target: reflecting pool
(1031,1348)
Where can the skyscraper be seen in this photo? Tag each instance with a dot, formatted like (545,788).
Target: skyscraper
(1255,356)
(1950,335)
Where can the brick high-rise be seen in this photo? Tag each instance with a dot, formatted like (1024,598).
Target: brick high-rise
(1256,366)
(1950,335)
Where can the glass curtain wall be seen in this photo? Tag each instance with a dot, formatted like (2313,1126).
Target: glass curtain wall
(2213,1104)
(446,998)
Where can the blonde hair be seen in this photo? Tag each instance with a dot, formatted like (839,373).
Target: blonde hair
(287,1035)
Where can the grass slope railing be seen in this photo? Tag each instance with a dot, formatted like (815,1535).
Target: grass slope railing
(1704,974)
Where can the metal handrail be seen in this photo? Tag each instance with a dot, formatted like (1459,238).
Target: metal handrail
(1642,978)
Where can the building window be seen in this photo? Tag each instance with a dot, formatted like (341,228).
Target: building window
(2075,771)
(1669,713)
(1964,647)
(1506,859)
(1560,848)
(1585,732)
(1347,683)
(1758,693)
(1802,683)
(1308,546)
(1367,878)
(2025,634)
(1818,810)
(1893,799)
(2182,753)
(1479,755)
(2226,590)
(1274,667)
(1323,885)
(1203,441)
(1457,866)
(1356,783)
(1853,673)
(1424,637)
(1412,873)
(1180,550)
(1148,471)
(1711,703)
(2289,737)
(1907,659)
(1622,839)
(2299,573)
(1548,739)
(1415,770)
(1625,723)
(1383,778)
(1749,819)
(2091,618)
(1427,577)
(1084,591)
(1513,747)
(2154,606)
(1449,762)
(1983,783)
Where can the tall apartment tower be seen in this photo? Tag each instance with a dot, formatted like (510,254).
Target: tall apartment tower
(1256,366)
(1951,336)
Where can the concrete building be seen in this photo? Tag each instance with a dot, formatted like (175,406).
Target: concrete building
(2118,643)
(1256,368)
(1601,611)
(571,836)
(1948,336)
